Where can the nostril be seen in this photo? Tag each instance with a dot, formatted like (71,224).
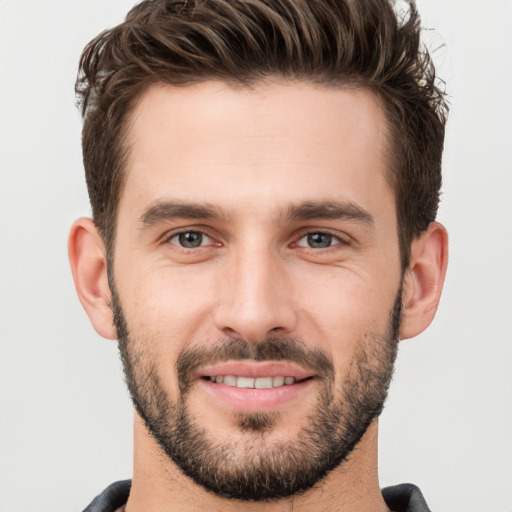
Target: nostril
(255,321)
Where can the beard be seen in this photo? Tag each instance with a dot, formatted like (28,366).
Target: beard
(253,468)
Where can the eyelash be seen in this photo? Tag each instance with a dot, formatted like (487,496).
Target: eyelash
(336,239)
(339,240)
(168,239)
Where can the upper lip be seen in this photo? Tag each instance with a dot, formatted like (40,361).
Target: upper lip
(255,369)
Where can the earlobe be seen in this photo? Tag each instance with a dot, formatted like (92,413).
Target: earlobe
(89,267)
(423,280)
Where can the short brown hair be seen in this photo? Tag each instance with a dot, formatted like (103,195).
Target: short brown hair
(337,43)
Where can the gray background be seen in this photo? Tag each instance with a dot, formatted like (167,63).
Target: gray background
(65,421)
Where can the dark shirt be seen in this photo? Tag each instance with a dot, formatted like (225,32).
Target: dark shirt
(399,498)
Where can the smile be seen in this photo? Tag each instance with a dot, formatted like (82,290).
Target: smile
(251,386)
(251,382)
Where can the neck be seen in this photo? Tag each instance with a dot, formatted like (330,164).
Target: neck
(159,486)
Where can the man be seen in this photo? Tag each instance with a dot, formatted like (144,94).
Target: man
(264,178)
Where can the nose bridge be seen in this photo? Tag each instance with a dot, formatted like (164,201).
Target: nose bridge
(257,297)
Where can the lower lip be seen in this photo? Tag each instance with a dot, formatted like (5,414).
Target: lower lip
(256,400)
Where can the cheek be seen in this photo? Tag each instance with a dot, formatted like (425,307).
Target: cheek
(171,296)
(341,311)
(165,311)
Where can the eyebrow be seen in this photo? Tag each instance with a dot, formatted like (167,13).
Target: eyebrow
(333,210)
(170,210)
(162,211)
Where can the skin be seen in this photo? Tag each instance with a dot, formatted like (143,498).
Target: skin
(253,155)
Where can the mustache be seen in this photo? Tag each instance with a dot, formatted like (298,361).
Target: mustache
(275,348)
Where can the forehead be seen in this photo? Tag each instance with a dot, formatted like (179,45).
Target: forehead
(276,143)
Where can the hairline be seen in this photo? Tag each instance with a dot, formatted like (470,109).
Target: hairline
(388,149)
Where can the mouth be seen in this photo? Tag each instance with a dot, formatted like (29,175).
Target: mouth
(254,382)
(255,387)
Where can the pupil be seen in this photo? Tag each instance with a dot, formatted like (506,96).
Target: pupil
(190,239)
(319,240)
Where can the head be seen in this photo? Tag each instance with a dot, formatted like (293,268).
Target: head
(336,44)
(264,179)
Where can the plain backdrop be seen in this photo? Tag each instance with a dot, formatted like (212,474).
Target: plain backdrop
(65,417)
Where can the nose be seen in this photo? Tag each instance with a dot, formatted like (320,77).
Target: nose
(257,297)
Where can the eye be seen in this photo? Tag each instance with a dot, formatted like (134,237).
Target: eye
(190,239)
(318,240)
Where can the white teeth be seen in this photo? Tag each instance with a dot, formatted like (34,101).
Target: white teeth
(251,382)
(277,381)
(263,382)
(230,380)
(245,382)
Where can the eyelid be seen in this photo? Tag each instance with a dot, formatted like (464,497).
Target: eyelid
(206,240)
(343,238)
(203,230)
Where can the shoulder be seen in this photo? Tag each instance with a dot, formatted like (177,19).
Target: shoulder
(405,498)
(112,498)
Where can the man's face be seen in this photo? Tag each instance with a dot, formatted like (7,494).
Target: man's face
(257,279)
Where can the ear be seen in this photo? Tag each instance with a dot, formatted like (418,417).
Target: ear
(423,280)
(89,267)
